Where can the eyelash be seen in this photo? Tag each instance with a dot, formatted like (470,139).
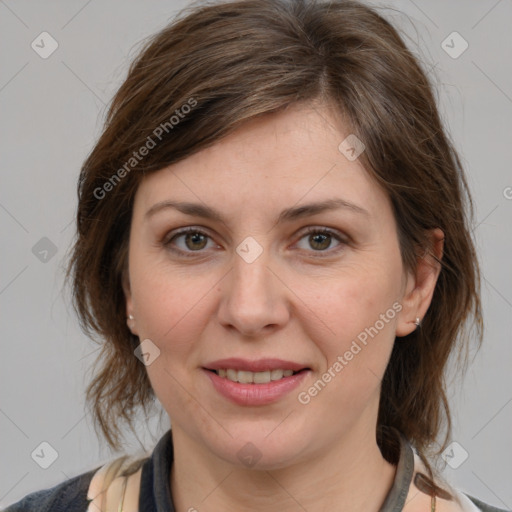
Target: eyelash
(308,231)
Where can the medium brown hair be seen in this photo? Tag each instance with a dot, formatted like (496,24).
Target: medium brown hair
(230,62)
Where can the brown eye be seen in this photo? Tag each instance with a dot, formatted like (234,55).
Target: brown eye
(195,241)
(187,240)
(321,239)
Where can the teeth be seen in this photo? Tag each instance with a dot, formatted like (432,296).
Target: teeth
(261,377)
(245,377)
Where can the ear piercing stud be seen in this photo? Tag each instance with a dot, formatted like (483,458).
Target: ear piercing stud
(417,322)
(131,317)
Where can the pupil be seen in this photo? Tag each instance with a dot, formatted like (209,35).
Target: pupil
(195,237)
(325,238)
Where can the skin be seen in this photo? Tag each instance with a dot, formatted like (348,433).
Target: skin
(302,299)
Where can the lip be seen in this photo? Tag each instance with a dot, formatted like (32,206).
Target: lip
(255,394)
(259,365)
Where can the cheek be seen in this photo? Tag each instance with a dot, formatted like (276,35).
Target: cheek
(355,357)
(355,301)
(171,306)
(360,308)
(170,309)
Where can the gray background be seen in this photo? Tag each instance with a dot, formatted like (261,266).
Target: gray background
(52,112)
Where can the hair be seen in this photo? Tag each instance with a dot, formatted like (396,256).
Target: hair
(198,80)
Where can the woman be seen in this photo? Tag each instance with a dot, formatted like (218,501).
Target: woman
(274,242)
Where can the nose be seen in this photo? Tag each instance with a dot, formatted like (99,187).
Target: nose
(254,299)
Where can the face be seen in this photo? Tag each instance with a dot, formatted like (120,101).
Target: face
(275,285)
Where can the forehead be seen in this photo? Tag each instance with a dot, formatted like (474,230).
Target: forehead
(269,163)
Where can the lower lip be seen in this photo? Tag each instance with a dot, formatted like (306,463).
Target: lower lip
(255,394)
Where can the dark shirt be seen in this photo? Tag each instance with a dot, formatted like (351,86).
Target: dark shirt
(155,490)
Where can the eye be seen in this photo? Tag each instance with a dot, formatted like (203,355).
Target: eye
(320,239)
(194,240)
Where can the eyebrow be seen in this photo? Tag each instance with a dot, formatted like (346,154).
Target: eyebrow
(287,215)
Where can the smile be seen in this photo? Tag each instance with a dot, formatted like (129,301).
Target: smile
(247,388)
(246,377)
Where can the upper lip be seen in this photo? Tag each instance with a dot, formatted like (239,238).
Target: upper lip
(258,365)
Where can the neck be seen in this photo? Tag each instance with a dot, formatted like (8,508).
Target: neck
(352,472)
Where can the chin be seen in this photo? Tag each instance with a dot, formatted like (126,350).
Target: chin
(254,448)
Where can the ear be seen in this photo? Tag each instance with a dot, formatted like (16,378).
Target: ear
(131,322)
(420,285)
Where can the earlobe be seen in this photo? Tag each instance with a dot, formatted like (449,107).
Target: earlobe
(130,321)
(130,318)
(420,285)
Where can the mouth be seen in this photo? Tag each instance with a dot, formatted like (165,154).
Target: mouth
(248,377)
(255,382)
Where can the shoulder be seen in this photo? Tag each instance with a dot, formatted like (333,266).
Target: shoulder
(459,502)
(70,495)
(120,480)
(98,489)
(448,498)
